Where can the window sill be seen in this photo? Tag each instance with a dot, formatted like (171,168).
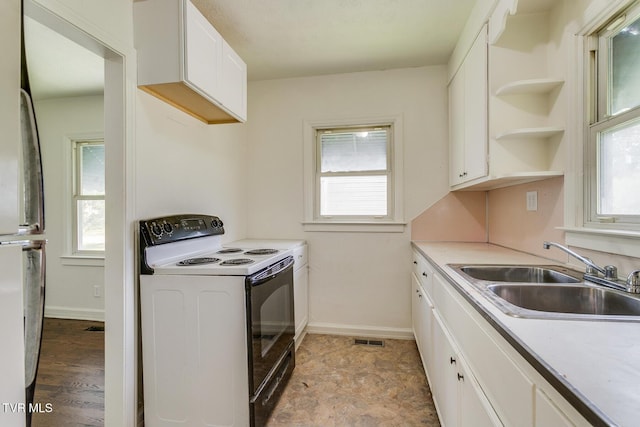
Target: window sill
(355,227)
(619,242)
(83,260)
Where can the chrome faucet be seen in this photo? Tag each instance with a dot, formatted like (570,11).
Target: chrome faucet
(591,266)
(610,272)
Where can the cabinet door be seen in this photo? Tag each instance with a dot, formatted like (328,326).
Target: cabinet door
(234,76)
(425,308)
(468,115)
(415,312)
(475,409)
(301,299)
(203,52)
(548,414)
(445,387)
(456,127)
(475,107)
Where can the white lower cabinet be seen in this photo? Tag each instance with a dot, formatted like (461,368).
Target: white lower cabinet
(458,398)
(548,414)
(422,319)
(300,292)
(477,378)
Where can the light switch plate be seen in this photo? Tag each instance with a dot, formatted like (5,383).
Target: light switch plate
(532,200)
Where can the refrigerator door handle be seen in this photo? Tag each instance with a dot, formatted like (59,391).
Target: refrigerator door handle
(32,168)
(26,244)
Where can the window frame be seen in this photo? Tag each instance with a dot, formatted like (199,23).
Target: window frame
(598,118)
(75,197)
(388,172)
(602,237)
(394,221)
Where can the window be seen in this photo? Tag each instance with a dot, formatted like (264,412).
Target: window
(352,175)
(88,201)
(612,170)
(353,172)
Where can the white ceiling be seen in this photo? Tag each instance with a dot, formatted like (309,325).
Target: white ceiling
(293,38)
(280,39)
(59,67)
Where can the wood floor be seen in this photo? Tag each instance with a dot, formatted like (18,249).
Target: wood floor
(71,375)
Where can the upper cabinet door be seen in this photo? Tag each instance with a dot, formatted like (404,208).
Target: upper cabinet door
(234,75)
(203,52)
(475,102)
(184,61)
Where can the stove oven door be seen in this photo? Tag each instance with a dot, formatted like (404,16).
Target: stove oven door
(271,327)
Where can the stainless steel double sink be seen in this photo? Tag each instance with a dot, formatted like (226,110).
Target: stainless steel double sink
(548,292)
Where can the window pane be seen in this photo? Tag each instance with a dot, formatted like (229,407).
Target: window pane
(91,169)
(91,225)
(625,63)
(354,151)
(353,195)
(619,170)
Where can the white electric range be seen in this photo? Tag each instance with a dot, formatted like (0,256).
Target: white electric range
(217,324)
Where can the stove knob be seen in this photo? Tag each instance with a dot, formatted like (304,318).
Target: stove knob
(156,230)
(168,228)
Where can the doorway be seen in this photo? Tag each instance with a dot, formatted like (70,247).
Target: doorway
(118,299)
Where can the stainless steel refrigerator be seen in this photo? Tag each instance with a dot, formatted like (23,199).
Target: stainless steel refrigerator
(29,235)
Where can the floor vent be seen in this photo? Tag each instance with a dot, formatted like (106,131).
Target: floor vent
(372,343)
(95,329)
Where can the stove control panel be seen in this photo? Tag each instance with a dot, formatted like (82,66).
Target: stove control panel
(158,231)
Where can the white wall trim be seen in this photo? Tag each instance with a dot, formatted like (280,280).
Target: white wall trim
(74,313)
(360,331)
(610,241)
(309,153)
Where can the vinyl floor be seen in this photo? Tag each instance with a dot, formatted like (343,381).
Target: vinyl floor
(335,382)
(339,383)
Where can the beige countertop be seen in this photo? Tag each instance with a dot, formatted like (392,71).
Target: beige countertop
(564,351)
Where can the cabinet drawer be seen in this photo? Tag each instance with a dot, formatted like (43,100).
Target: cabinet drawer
(424,272)
(507,387)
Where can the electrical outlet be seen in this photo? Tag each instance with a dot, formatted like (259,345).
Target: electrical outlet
(96,291)
(532,200)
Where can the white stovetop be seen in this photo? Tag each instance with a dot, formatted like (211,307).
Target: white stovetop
(599,360)
(164,258)
(265,243)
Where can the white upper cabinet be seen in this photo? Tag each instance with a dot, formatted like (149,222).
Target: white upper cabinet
(234,76)
(518,93)
(184,61)
(203,52)
(468,115)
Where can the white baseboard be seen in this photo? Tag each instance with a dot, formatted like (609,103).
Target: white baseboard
(74,313)
(360,331)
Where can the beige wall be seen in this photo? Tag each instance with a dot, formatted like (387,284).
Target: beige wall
(357,280)
(457,217)
(70,288)
(511,225)
(186,166)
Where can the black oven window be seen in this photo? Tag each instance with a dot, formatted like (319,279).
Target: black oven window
(274,318)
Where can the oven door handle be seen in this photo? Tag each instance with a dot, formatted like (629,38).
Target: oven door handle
(271,272)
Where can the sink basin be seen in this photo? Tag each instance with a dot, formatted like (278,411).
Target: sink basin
(548,292)
(568,299)
(518,274)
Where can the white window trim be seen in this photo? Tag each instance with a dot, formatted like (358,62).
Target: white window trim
(395,223)
(69,257)
(578,233)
